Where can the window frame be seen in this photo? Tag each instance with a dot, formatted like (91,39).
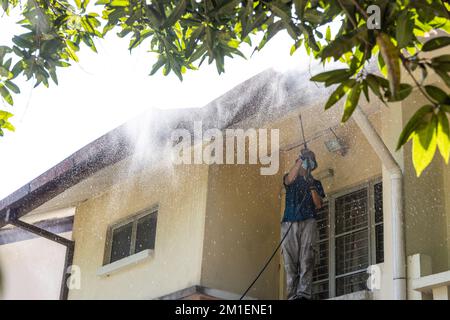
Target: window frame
(369,186)
(133,219)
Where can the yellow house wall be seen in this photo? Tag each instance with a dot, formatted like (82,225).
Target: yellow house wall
(180,193)
(446,169)
(426,202)
(241,230)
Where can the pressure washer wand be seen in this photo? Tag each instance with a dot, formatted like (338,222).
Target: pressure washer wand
(305,149)
(303,132)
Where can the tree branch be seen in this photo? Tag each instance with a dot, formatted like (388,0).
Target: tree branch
(361,10)
(347,14)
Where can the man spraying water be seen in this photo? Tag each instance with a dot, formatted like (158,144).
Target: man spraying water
(303,198)
(299,227)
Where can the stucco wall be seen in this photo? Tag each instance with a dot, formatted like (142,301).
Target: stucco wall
(242,230)
(181,194)
(426,202)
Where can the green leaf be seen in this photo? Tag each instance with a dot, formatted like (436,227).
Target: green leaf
(176,14)
(89,42)
(300,7)
(445,58)
(404,30)
(391,56)
(120,3)
(436,43)
(437,94)
(403,92)
(3,51)
(53,75)
(280,10)
(365,90)
(374,86)
(6,94)
(9,126)
(424,145)
(382,65)
(5,73)
(161,61)
(344,43)
(313,15)
(327,75)
(352,102)
(328,34)
(340,91)
(444,76)
(272,30)
(413,124)
(11,86)
(5,5)
(443,135)
(70,50)
(7,64)
(5,115)
(21,42)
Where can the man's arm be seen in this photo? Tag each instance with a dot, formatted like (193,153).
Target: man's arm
(293,173)
(317,194)
(317,199)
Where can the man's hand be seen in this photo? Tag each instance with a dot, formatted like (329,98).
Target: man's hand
(293,173)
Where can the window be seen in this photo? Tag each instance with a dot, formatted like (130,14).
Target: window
(351,242)
(131,236)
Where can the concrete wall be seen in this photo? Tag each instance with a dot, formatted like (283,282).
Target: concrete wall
(426,202)
(176,263)
(32,269)
(241,230)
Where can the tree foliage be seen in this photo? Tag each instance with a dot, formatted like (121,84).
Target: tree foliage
(185,33)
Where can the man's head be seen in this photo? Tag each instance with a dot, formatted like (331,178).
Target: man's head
(308,159)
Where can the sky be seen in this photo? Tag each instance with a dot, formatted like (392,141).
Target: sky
(105,90)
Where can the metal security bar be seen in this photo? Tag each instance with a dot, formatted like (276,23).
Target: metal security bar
(350,239)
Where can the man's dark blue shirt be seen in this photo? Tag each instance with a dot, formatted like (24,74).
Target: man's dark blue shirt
(297,208)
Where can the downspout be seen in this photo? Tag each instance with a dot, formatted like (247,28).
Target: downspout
(395,172)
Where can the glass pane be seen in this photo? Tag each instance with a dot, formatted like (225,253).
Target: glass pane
(378,197)
(121,242)
(351,211)
(379,243)
(351,283)
(323,224)
(321,267)
(146,232)
(320,290)
(352,252)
